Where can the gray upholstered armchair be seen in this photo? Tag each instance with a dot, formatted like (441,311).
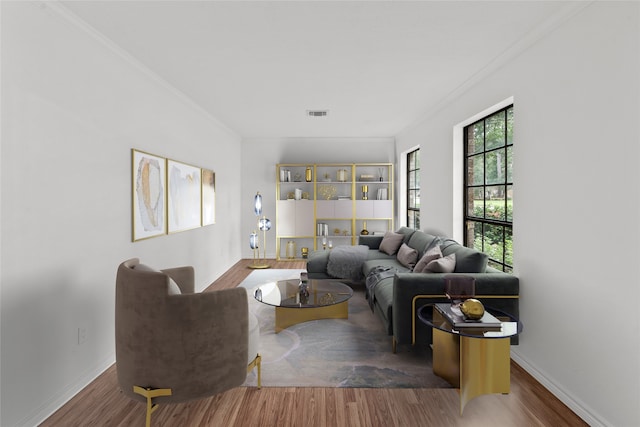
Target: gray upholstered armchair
(174,345)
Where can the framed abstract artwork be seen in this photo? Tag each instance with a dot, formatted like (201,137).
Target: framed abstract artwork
(184,196)
(208,197)
(149,189)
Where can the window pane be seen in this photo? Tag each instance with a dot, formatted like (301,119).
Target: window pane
(414,199)
(510,126)
(493,235)
(413,189)
(475,138)
(510,203)
(508,246)
(413,219)
(495,131)
(475,170)
(475,202)
(412,180)
(494,264)
(496,167)
(474,235)
(510,163)
(495,208)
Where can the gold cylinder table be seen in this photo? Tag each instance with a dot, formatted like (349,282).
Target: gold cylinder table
(476,360)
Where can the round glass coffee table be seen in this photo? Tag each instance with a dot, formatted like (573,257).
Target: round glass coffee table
(477,360)
(321,299)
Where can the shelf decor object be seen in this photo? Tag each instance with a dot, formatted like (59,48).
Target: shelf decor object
(291,249)
(264,225)
(328,192)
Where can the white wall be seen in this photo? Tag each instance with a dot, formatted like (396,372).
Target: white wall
(72,109)
(259,159)
(576,203)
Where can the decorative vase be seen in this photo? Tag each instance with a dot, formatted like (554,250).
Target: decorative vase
(365,192)
(472,309)
(308,174)
(364,231)
(291,249)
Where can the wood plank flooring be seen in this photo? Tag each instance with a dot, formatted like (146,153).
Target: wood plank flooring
(529,404)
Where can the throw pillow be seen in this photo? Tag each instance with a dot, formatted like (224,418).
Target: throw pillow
(430,255)
(407,256)
(174,289)
(391,242)
(442,265)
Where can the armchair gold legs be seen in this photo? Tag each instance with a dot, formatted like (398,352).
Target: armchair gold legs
(150,393)
(257,362)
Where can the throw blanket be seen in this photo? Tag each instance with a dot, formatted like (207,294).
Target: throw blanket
(345,262)
(373,278)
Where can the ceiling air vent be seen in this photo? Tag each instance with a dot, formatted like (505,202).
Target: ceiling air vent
(317,113)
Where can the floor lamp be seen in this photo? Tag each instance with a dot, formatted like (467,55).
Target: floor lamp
(264,225)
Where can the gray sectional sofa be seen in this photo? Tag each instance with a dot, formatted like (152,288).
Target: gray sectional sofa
(400,292)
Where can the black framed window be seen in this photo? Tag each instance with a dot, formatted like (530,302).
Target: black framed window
(488,182)
(413,189)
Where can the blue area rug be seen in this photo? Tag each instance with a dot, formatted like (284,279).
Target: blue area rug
(353,352)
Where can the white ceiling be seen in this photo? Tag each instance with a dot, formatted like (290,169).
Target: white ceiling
(378,67)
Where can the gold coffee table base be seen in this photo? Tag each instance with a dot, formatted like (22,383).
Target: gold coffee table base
(289,316)
(474,365)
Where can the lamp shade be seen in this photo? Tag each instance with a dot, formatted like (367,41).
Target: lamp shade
(264,224)
(257,204)
(253,240)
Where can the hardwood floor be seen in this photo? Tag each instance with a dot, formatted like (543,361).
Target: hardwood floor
(529,404)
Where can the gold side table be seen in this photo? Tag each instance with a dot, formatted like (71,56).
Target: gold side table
(477,361)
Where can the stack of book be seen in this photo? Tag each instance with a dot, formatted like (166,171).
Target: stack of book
(382,194)
(459,321)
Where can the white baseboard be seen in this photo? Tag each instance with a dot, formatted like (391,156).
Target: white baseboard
(56,402)
(577,406)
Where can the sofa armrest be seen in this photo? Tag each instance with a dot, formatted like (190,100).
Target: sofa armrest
(413,290)
(317,262)
(373,241)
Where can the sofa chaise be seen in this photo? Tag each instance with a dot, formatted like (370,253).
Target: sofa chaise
(406,269)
